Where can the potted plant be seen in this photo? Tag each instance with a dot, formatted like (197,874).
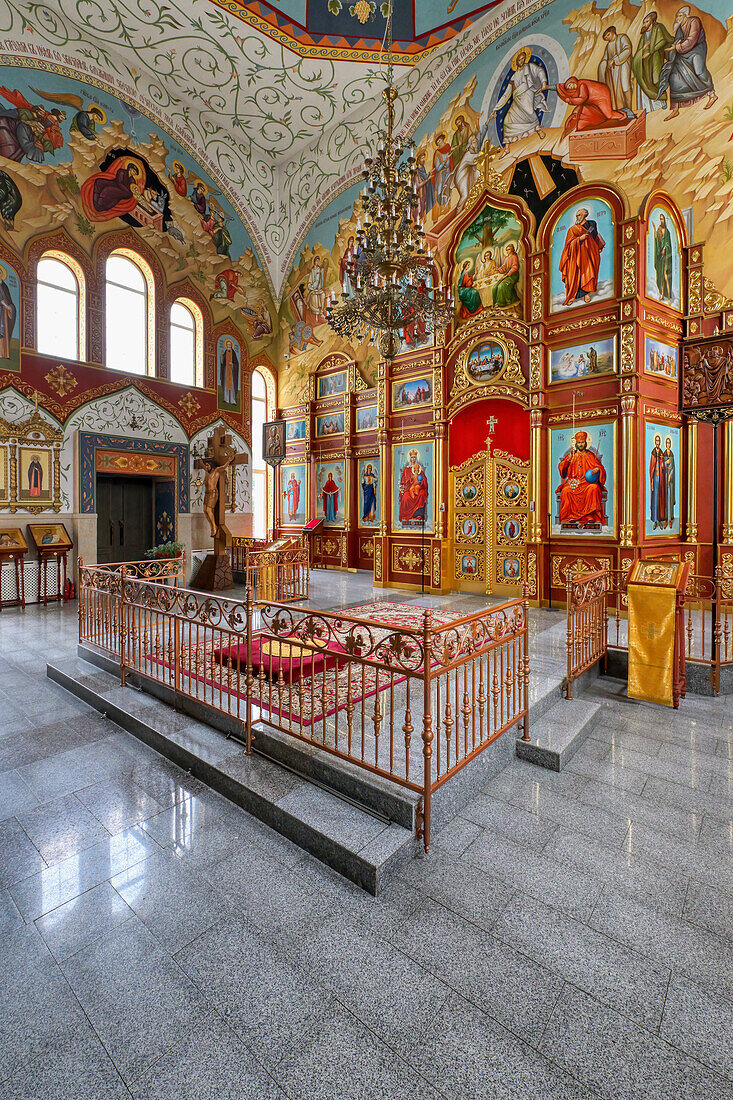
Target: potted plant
(165,550)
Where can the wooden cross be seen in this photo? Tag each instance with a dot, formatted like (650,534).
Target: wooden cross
(219,456)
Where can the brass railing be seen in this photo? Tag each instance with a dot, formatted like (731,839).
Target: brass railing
(240,546)
(355,688)
(278,575)
(586,637)
(597,607)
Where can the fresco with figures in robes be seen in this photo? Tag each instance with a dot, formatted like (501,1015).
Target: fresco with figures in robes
(647,78)
(583,479)
(660,474)
(663,261)
(294,492)
(369,492)
(330,492)
(412,487)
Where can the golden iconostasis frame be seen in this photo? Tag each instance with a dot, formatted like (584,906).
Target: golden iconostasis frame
(25,444)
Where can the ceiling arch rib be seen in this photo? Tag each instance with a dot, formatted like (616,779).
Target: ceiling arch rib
(277,130)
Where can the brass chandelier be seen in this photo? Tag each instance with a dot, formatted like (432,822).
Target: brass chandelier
(392,272)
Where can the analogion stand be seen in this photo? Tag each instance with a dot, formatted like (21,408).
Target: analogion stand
(311,529)
(13,549)
(52,542)
(656,594)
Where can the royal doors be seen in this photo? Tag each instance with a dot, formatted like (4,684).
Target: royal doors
(489,502)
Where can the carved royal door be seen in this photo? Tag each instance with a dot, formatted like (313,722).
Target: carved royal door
(489,506)
(509,506)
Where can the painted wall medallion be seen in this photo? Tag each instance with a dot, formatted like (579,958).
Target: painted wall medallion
(486,362)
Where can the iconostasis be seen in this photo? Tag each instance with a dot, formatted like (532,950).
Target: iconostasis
(541,432)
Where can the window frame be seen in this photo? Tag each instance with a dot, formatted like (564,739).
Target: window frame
(77,272)
(197,316)
(146,271)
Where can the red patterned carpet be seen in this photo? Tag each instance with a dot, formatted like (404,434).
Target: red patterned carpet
(407,615)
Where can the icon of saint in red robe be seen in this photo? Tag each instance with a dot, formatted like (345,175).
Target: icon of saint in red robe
(580,262)
(330,498)
(581,489)
(413,493)
(293,495)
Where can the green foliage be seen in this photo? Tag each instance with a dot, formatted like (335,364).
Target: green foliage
(165,550)
(727,171)
(69,183)
(85,226)
(728,113)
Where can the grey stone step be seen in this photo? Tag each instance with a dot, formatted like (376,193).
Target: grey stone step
(358,843)
(558,733)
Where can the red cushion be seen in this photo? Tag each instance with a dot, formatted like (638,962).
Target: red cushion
(306,661)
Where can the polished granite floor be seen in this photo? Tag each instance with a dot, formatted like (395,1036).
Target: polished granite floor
(569,936)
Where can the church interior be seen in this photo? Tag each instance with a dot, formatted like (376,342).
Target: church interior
(366,550)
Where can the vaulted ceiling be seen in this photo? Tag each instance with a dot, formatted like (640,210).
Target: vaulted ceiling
(355,28)
(280,126)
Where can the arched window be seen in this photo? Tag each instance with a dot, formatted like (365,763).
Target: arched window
(259,470)
(130,311)
(60,322)
(187,343)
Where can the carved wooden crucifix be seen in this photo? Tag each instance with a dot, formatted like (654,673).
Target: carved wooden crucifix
(219,456)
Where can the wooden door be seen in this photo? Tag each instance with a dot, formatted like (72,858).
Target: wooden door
(124,518)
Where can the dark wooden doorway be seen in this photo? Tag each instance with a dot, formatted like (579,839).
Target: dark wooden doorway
(124,517)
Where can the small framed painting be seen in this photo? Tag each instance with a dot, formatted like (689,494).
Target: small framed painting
(660,360)
(295,431)
(331,385)
(412,392)
(34,475)
(587,360)
(366,418)
(12,541)
(49,536)
(329,424)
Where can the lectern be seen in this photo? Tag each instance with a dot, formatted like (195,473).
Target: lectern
(656,594)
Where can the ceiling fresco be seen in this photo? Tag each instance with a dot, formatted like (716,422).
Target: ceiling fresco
(279,132)
(354,29)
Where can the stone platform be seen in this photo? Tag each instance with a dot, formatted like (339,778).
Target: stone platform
(357,823)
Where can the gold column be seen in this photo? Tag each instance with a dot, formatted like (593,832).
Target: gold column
(628,409)
(535,468)
(382,440)
(728,485)
(691,528)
